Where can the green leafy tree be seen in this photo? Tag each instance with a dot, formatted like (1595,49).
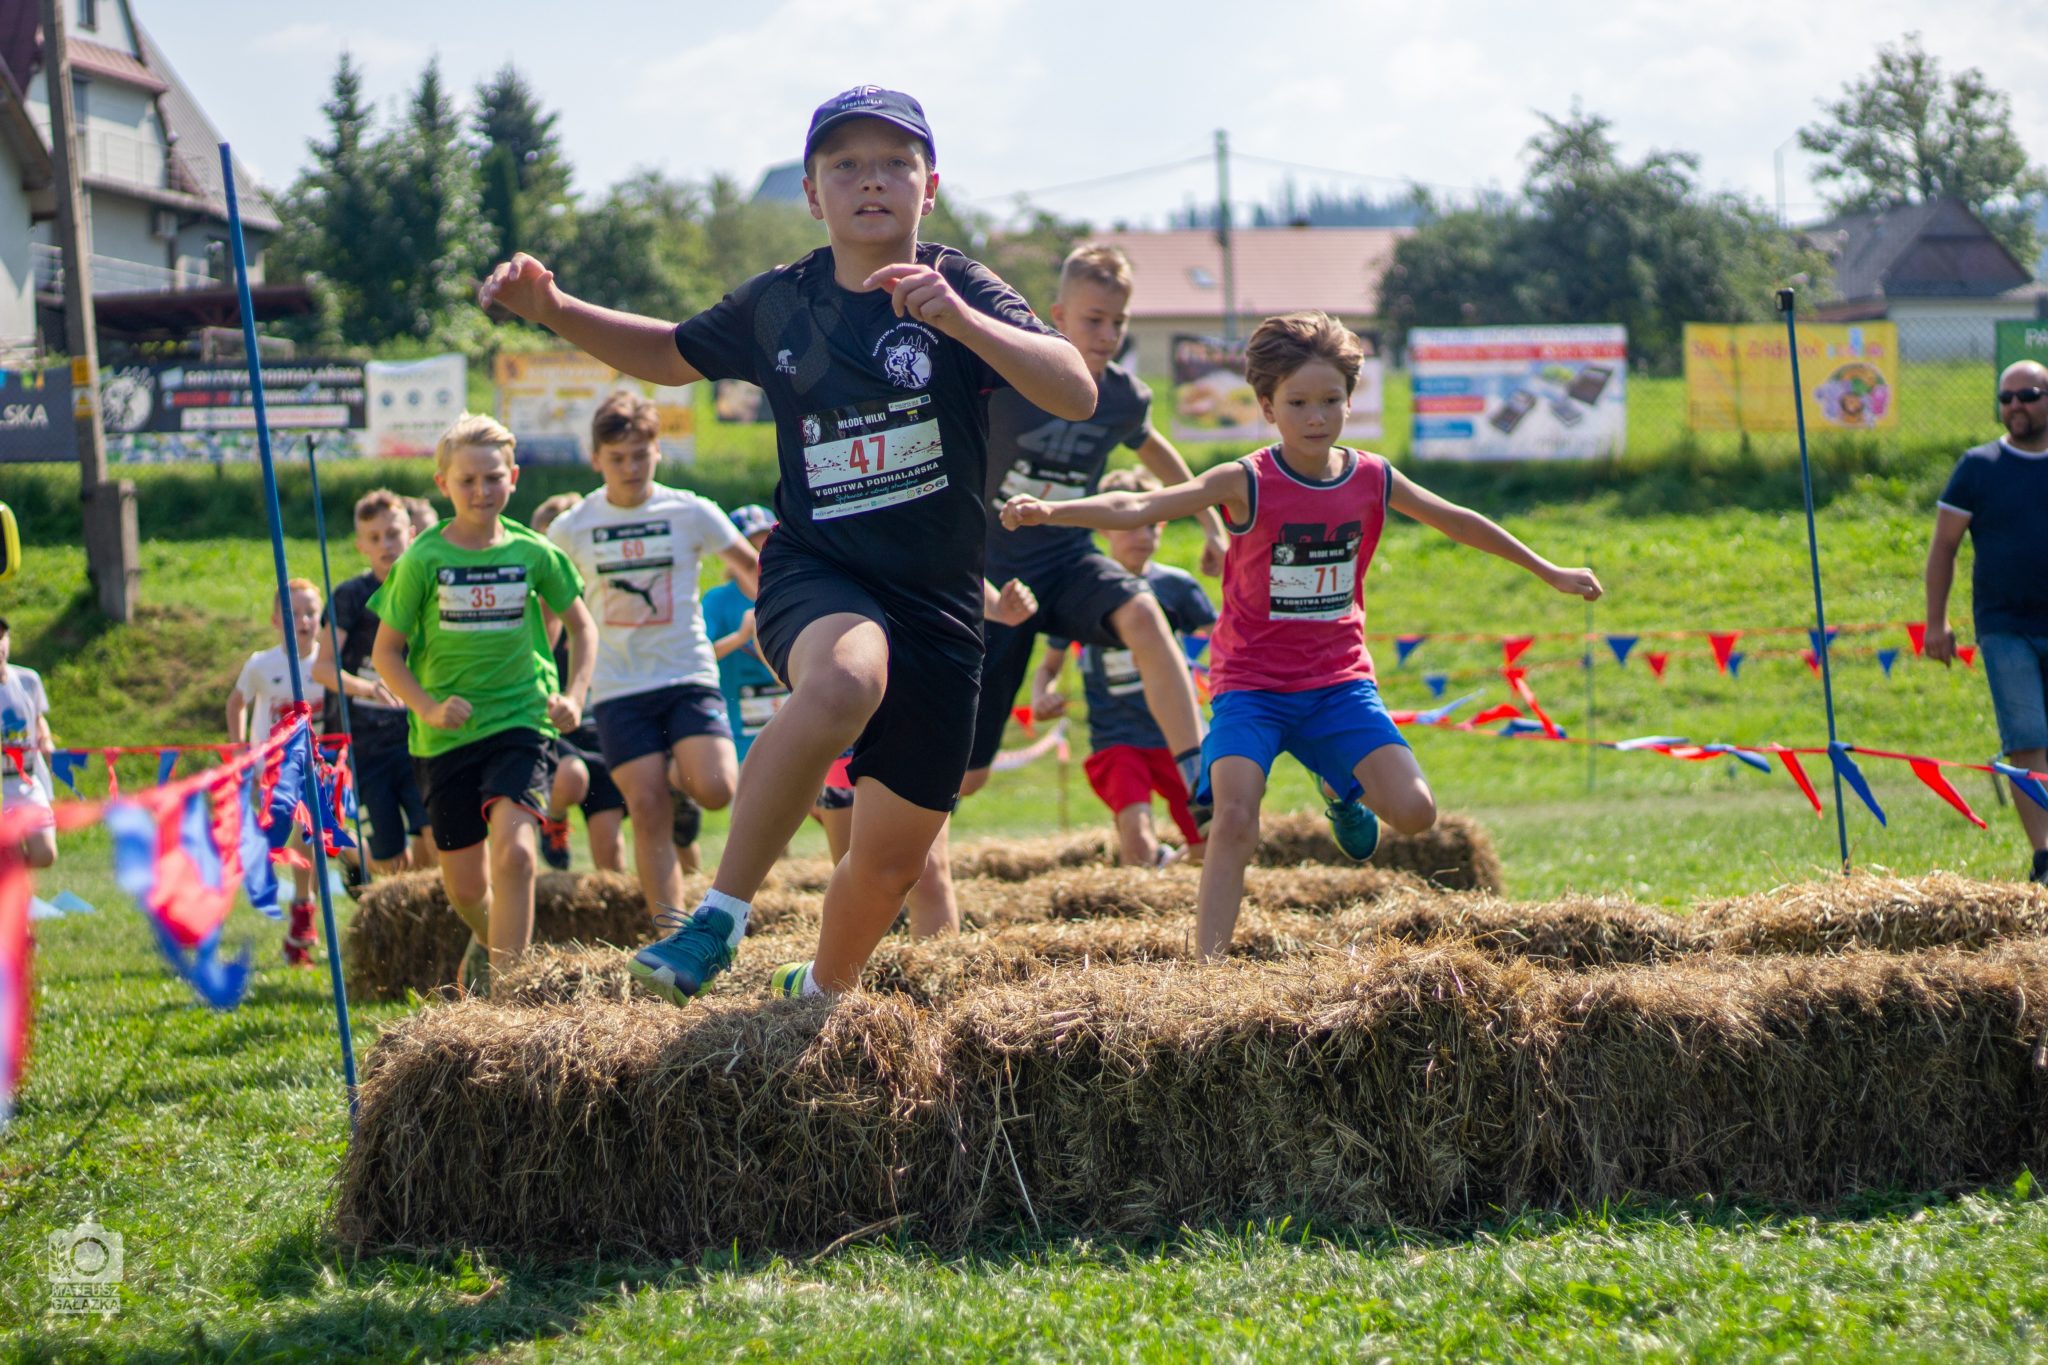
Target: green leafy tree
(1907,133)
(438,228)
(524,179)
(335,223)
(643,248)
(743,238)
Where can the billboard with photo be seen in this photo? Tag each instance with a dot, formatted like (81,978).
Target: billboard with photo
(1738,376)
(547,398)
(1519,393)
(1212,401)
(411,402)
(161,412)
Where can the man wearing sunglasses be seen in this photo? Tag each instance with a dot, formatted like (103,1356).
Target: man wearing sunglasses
(1999,495)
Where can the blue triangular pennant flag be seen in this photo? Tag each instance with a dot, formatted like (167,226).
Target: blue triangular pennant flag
(1735,664)
(1813,638)
(1621,645)
(1436,683)
(38,908)
(64,765)
(134,849)
(1432,717)
(1194,645)
(1522,726)
(166,764)
(71,903)
(195,836)
(1404,645)
(1886,658)
(2025,783)
(218,981)
(259,878)
(1756,761)
(1838,754)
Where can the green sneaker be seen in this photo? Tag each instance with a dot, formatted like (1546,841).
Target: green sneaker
(787,980)
(1356,827)
(683,964)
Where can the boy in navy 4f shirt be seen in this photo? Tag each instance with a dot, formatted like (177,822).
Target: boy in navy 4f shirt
(877,354)
(1129,760)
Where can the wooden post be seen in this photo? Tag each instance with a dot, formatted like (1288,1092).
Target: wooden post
(110,528)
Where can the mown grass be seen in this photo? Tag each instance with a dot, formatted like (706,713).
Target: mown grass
(209,1141)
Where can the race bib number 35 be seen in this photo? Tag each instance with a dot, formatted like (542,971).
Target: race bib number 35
(871,455)
(491,597)
(1313,580)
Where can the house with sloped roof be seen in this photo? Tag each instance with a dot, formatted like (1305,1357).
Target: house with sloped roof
(149,163)
(28,196)
(1934,270)
(1179,280)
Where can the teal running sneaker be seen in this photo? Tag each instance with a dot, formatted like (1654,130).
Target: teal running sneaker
(787,980)
(1356,827)
(681,965)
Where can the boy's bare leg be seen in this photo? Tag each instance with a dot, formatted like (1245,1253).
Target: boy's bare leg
(514,844)
(705,767)
(425,857)
(1237,785)
(466,877)
(1395,789)
(40,848)
(933,907)
(838,829)
(644,783)
(1137,845)
(891,841)
(838,669)
(302,877)
(607,844)
(571,785)
(1162,668)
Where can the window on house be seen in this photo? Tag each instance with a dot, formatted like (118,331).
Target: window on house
(88,14)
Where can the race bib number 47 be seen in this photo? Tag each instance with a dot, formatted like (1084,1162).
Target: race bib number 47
(869,455)
(1313,580)
(490,597)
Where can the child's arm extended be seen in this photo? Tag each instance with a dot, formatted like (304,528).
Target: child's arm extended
(1045,369)
(1045,702)
(388,653)
(744,565)
(643,347)
(1468,527)
(565,708)
(352,685)
(1223,486)
(1168,466)
(238,716)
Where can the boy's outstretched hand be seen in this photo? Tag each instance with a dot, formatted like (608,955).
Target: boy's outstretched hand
(920,293)
(1025,510)
(1015,605)
(450,713)
(1577,582)
(563,713)
(522,285)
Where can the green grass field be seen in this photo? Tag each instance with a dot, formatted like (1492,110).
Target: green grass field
(209,1141)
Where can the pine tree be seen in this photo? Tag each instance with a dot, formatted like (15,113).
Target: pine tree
(525,181)
(441,238)
(335,221)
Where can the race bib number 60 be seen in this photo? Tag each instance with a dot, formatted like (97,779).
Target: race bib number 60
(1313,580)
(491,597)
(869,455)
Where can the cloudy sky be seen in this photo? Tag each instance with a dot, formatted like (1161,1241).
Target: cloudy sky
(1029,96)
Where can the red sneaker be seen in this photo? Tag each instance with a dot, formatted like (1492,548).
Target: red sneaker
(298,938)
(554,843)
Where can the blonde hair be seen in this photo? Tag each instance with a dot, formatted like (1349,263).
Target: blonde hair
(1129,481)
(1096,263)
(545,514)
(622,414)
(1282,345)
(474,430)
(377,502)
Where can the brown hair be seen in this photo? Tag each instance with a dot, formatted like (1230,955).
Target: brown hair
(1284,344)
(550,508)
(623,414)
(1096,263)
(1132,480)
(376,503)
(473,429)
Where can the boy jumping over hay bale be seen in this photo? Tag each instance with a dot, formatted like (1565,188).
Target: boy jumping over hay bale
(463,645)
(876,353)
(1290,671)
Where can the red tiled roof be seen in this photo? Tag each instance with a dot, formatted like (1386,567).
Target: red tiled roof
(114,65)
(1180,272)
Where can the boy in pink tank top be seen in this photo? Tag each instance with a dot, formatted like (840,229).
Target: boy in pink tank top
(1289,668)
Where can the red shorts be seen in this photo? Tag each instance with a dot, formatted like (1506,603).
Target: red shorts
(1124,775)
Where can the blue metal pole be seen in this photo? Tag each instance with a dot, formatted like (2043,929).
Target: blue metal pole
(1820,615)
(334,641)
(291,643)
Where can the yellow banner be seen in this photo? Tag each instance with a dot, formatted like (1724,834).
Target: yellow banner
(1739,377)
(549,397)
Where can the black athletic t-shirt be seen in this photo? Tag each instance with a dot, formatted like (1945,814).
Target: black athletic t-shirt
(369,724)
(881,423)
(1032,451)
(2005,493)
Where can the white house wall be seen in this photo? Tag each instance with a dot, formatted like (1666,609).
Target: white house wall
(17,280)
(1953,329)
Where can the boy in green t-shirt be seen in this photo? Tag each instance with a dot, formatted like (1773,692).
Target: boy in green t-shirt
(462,644)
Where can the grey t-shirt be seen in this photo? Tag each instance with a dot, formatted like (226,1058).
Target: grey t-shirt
(1117,713)
(1031,451)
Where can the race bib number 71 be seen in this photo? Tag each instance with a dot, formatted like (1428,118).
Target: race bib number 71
(486,597)
(1313,580)
(870,455)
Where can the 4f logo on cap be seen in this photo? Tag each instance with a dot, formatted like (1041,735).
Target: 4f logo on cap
(861,94)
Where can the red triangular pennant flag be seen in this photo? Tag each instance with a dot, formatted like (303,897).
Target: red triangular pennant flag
(1928,771)
(1812,661)
(1023,716)
(1916,636)
(1507,710)
(1968,654)
(1513,647)
(1724,645)
(1518,679)
(1791,762)
(1658,660)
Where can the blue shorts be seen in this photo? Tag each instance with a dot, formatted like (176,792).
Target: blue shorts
(654,721)
(2017,668)
(1329,729)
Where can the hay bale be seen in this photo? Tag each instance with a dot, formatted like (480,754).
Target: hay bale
(642,1130)
(1864,911)
(559,974)
(1017,860)
(1168,893)
(403,937)
(1575,933)
(1455,854)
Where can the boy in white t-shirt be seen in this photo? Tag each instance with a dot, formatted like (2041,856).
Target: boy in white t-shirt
(25,713)
(661,719)
(261,697)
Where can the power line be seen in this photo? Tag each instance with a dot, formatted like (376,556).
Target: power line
(1355,175)
(1115,178)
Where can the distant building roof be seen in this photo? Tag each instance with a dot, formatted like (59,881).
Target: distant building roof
(114,64)
(195,147)
(783,184)
(1180,272)
(19,135)
(1937,249)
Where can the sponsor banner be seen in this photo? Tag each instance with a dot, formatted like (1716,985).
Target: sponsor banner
(1739,377)
(411,402)
(35,416)
(547,398)
(1212,401)
(2020,341)
(735,400)
(1519,393)
(170,411)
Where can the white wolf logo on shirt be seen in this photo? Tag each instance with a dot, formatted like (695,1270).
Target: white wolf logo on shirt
(906,351)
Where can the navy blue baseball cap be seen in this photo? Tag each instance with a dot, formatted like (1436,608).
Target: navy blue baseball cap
(870,101)
(752,518)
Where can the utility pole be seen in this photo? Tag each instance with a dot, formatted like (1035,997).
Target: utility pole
(111,552)
(1223,234)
